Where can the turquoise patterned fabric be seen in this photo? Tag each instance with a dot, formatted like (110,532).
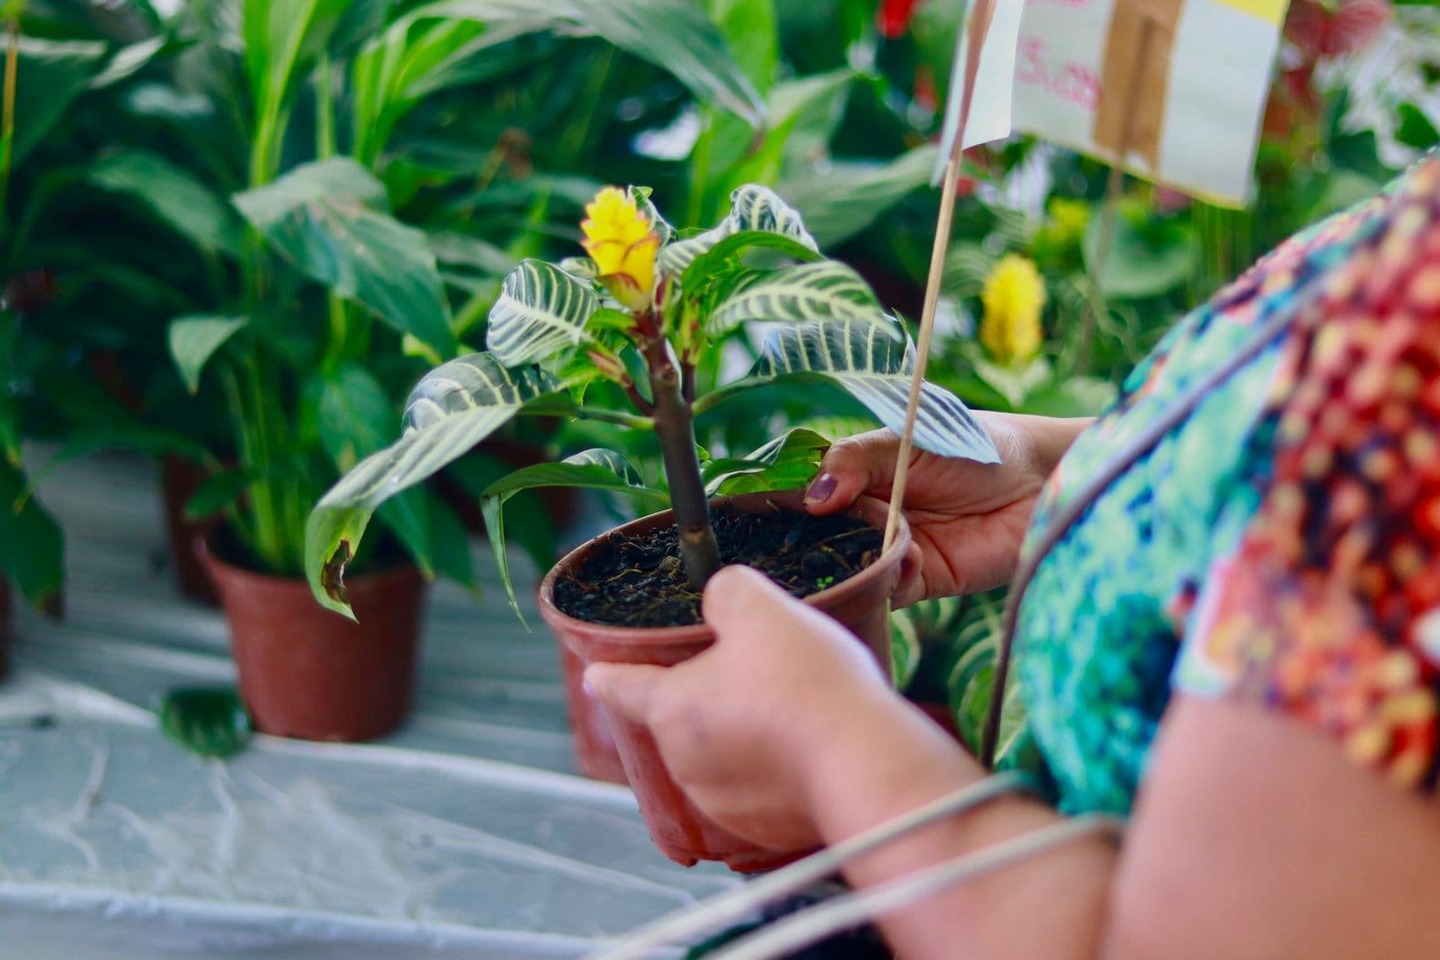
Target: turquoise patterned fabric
(1102,622)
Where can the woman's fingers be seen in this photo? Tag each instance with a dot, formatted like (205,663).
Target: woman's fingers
(850,468)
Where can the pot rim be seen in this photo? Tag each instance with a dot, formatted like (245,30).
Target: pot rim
(867,508)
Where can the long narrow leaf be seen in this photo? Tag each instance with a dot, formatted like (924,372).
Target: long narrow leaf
(455,407)
(868,363)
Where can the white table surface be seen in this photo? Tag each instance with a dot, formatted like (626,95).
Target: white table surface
(462,835)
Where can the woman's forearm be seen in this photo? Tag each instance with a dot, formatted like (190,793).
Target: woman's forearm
(1051,907)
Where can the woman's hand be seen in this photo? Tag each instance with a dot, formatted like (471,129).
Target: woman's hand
(967,518)
(753,727)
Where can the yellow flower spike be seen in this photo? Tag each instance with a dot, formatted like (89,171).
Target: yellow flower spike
(622,244)
(1013,296)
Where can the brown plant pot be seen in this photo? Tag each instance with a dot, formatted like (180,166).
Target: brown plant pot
(682,832)
(6,627)
(596,754)
(310,673)
(179,479)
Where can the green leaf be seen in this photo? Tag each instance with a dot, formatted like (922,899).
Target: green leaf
(593,469)
(209,721)
(786,463)
(393,73)
(675,35)
(846,197)
(541,311)
(827,291)
(868,363)
(453,408)
(128,61)
(460,250)
(282,40)
(194,340)
(175,195)
(49,75)
(727,252)
(1144,259)
(752,208)
(356,416)
(328,218)
(34,554)
(217,493)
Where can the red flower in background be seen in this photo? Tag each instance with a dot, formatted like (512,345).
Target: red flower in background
(1321,29)
(895,16)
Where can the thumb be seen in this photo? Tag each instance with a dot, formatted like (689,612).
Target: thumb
(850,468)
(629,689)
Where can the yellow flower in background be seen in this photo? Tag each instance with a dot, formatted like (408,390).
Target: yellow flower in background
(622,244)
(1013,296)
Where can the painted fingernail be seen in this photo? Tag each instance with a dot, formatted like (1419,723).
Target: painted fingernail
(822,488)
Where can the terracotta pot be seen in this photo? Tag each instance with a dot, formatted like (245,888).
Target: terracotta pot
(680,831)
(310,673)
(6,627)
(596,754)
(179,479)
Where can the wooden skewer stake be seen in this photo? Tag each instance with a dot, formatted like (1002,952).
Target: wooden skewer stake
(979,27)
(989,740)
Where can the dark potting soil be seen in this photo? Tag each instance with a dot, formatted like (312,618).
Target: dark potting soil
(639,581)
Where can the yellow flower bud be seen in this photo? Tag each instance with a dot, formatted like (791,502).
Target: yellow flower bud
(621,242)
(1013,296)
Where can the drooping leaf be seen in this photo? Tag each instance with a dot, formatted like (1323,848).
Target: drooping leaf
(127,62)
(49,75)
(175,195)
(752,208)
(827,291)
(34,554)
(846,197)
(329,219)
(194,340)
(1143,260)
(675,35)
(594,469)
(456,406)
(865,361)
(541,311)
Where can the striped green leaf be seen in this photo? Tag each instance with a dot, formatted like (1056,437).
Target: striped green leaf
(752,208)
(541,311)
(456,406)
(823,291)
(867,361)
(594,469)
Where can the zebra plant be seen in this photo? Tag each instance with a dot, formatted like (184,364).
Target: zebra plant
(641,311)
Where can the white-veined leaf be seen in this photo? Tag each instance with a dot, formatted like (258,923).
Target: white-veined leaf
(866,361)
(594,469)
(752,207)
(456,406)
(786,463)
(647,209)
(541,311)
(824,291)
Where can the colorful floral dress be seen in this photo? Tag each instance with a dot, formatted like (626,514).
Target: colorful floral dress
(1281,544)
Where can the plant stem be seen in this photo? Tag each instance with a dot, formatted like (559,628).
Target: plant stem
(675,427)
(7,116)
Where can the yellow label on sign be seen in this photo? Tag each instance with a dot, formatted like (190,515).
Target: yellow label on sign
(1271,11)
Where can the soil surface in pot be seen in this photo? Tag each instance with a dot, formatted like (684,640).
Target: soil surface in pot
(639,581)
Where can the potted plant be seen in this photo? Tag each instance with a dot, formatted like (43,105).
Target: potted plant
(633,321)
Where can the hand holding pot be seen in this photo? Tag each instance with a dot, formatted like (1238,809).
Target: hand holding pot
(750,727)
(967,518)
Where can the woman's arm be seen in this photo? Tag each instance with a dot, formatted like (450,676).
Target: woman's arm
(1253,837)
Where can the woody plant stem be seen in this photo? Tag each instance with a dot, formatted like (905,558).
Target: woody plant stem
(675,427)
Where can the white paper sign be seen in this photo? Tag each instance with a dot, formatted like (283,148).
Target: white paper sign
(1176,86)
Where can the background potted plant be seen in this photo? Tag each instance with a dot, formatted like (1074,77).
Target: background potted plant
(632,322)
(333,223)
